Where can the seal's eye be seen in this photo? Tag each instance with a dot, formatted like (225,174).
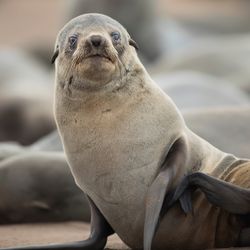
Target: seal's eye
(116,36)
(73,41)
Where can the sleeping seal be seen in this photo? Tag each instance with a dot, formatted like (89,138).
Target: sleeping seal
(141,157)
(38,187)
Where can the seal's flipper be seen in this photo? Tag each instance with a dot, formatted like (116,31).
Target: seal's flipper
(155,198)
(223,194)
(100,230)
(160,189)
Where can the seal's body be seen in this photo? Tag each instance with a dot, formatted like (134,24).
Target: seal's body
(123,145)
(124,138)
(111,115)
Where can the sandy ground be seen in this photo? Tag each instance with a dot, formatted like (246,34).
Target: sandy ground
(38,234)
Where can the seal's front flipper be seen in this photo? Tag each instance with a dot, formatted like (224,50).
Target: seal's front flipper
(172,168)
(223,194)
(100,230)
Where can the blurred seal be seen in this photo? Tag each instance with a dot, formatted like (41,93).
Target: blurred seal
(38,187)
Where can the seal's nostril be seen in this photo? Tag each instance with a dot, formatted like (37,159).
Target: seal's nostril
(96,40)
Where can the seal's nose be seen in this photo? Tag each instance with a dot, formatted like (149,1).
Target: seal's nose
(96,40)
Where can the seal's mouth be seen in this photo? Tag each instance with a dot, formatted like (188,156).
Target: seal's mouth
(95,57)
(99,56)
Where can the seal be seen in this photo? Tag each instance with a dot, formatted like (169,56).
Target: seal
(25,98)
(141,156)
(48,143)
(29,192)
(216,125)
(194,90)
(24,119)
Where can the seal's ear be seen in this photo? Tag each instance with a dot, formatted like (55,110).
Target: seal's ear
(55,55)
(133,43)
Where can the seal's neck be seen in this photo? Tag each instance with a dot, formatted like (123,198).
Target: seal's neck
(203,156)
(127,81)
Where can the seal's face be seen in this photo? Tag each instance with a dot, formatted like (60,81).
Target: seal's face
(91,52)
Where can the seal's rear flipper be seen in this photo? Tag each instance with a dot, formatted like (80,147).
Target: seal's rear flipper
(100,230)
(160,190)
(228,196)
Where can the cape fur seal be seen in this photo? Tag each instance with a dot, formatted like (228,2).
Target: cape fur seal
(194,90)
(141,156)
(38,187)
(23,119)
(25,98)
(217,125)
(48,143)
(27,177)
(199,56)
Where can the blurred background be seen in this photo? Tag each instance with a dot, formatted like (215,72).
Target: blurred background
(199,45)
(198,51)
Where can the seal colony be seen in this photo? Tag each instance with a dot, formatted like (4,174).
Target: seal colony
(140,158)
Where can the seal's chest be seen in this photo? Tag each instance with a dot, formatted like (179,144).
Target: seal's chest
(112,170)
(110,151)
(107,155)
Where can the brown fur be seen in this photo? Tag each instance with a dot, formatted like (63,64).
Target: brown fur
(124,126)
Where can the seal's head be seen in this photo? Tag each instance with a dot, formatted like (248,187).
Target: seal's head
(93,50)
